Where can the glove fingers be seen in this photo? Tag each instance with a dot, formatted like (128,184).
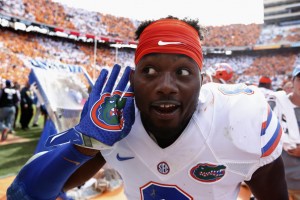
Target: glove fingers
(124,80)
(112,79)
(97,88)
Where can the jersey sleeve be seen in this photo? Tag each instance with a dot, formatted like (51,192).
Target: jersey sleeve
(271,133)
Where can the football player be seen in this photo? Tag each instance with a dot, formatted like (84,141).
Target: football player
(165,141)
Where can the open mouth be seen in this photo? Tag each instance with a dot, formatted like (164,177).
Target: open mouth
(165,107)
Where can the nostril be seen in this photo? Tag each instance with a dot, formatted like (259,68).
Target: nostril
(167,85)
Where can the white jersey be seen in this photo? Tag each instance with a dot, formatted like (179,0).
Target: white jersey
(231,134)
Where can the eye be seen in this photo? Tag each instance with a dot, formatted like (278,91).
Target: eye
(183,72)
(149,70)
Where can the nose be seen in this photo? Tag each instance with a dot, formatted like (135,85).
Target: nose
(167,84)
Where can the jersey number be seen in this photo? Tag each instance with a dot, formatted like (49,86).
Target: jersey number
(157,191)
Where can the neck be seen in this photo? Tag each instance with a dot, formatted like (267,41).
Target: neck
(164,136)
(163,142)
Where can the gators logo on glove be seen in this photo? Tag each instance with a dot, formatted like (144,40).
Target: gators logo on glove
(107,113)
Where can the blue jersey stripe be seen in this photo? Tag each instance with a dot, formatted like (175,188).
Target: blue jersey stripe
(270,115)
(272,140)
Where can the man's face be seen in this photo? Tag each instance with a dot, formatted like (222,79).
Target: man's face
(166,88)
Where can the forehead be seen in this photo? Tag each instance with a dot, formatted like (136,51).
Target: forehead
(163,58)
(173,55)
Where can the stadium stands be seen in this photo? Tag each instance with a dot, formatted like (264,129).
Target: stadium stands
(252,50)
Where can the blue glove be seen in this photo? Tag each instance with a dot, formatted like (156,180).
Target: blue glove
(107,115)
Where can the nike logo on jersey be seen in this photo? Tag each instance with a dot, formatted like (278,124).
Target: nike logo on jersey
(162,43)
(123,158)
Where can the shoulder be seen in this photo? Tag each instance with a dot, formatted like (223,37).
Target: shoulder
(239,106)
(234,97)
(242,119)
(231,90)
(244,111)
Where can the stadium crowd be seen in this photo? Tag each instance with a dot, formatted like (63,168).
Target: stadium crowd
(18,47)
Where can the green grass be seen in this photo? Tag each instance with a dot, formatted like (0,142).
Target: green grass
(14,156)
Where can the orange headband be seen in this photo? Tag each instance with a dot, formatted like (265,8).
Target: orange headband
(170,36)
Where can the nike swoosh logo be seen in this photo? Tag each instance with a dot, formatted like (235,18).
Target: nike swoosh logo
(123,158)
(72,161)
(162,43)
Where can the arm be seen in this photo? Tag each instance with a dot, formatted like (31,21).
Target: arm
(268,182)
(45,174)
(87,170)
(74,156)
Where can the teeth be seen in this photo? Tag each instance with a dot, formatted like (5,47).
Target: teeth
(166,105)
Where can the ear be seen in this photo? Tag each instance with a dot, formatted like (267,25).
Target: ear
(131,78)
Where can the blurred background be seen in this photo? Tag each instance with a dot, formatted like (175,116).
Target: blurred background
(255,37)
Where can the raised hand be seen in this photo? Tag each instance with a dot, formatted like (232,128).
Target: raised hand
(107,116)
